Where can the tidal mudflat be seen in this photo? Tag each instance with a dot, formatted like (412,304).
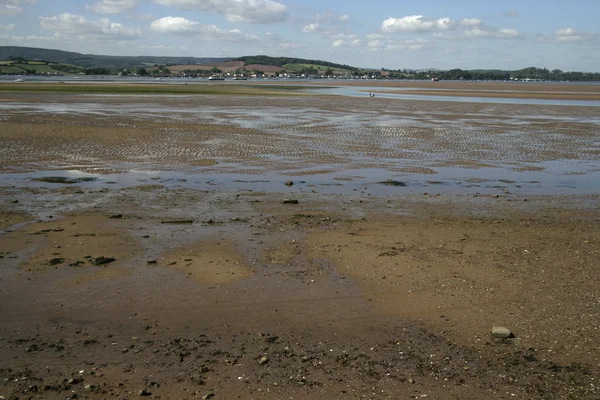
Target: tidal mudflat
(146,248)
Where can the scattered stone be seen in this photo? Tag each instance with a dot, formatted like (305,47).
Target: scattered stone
(289,183)
(88,388)
(102,260)
(208,395)
(290,201)
(263,360)
(151,262)
(501,332)
(76,263)
(116,216)
(271,339)
(144,392)
(178,221)
(56,261)
(391,182)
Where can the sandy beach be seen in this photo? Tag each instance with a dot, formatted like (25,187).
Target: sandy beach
(149,246)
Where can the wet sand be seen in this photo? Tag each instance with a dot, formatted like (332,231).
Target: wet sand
(151,286)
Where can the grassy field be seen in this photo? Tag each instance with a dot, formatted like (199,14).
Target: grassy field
(323,68)
(11,67)
(7,69)
(205,89)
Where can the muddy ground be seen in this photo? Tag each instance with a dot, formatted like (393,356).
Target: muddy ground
(149,289)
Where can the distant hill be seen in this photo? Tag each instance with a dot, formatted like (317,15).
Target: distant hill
(283,61)
(96,61)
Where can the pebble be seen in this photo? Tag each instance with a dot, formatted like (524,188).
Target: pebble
(289,183)
(263,360)
(144,392)
(501,332)
(290,201)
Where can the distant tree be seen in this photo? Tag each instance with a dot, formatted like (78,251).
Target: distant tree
(142,71)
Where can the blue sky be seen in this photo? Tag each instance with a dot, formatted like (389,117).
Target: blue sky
(378,34)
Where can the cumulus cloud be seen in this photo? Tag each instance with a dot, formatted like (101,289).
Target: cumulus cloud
(416,24)
(470,22)
(8,27)
(338,43)
(10,9)
(413,45)
(250,11)
(344,36)
(570,35)
(112,6)
(312,28)
(374,36)
(75,25)
(345,18)
(186,27)
(490,32)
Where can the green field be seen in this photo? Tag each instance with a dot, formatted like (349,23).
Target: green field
(323,68)
(6,69)
(11,67)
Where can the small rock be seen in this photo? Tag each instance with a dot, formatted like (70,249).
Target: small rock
(151,262)
(290,201)
(263,360)
(207,396)
(116,216)
(88,388)
(144,392)
(289,183)
(411,380)
(501,332)
(102,260)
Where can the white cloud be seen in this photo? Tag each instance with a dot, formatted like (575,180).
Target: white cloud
(470,22)
(312,28)
(186,27)
(570,35)
(375,44)
(8,27)
(292,45)
(345,18)
(490,32)
(343,36)
(112,6)
(416,24)
(9,9)
(374,36)
(75,25)
(413,45)
(338,43)
(250,11)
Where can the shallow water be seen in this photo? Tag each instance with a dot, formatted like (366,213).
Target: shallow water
(353,91)
(558,178)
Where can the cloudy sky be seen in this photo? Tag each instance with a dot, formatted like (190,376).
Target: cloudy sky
(466,34)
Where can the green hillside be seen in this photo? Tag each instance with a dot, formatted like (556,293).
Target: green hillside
(38,67)
(319,67)
(95,61)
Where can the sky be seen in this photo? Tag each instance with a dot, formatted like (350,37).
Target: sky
(416,34)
